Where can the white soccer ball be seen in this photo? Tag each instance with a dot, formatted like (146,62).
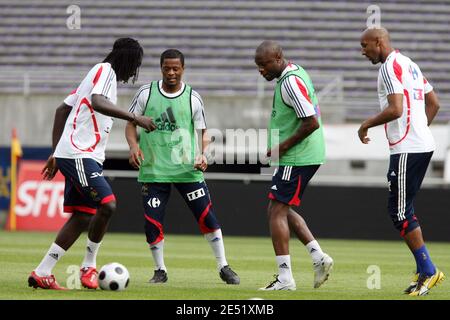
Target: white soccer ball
(113,276)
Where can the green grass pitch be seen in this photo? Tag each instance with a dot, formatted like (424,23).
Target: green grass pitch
(193,274)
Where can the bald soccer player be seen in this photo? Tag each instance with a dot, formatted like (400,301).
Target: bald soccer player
(408,105)
(297,155)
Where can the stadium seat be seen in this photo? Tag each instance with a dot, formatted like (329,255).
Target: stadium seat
(220,37)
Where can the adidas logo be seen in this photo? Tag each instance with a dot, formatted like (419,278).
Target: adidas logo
(89,249)
(283,266)
(166,121)
(215,239)
(274,187)
(54,255)
(393,174)
(313,250)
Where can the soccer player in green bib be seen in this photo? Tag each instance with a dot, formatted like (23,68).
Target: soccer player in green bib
(168,156)
(297,148)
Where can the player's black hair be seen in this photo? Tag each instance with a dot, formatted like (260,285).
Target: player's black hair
(125,59)
(172,54)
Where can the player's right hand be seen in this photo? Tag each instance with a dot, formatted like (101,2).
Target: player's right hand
(363,134)
(145,122)
(136,157)
(50,169)
(201,162)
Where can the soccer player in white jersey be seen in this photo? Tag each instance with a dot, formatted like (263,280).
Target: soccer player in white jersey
(80,133)
(296,152)
(166,157)
(408,105)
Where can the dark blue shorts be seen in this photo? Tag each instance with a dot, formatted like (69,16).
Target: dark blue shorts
(155,197)
(405,176)
(86,188)
(289,183)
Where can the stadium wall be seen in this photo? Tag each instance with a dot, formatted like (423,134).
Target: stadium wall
(351,212)
(33,115)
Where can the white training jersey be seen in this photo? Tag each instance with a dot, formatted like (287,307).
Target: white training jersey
(86,131)
(198,111)
(409,133)
(295,93)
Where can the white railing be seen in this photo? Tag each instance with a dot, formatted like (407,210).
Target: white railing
(41,80)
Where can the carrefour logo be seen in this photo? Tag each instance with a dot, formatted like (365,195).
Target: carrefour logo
(154,202)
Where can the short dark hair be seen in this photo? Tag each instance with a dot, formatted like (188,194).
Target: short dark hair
(172,54)
(126,58)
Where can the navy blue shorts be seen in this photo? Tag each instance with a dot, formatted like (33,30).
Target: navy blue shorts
(155,197)
(405,176)
(85,188)
(289,183)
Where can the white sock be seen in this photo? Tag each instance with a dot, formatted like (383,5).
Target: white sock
(215,240)
(90,259)
(314,251)
(158,255)
(49,261)
(284,268)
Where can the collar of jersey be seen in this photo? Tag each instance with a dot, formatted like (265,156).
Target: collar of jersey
(289,67)
(171,95)
(391,55)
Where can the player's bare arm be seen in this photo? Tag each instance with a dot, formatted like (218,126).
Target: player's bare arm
(104,106)
(309,125)
(431,106)
(136,155)
(392,112)
(201,162)
(62,112)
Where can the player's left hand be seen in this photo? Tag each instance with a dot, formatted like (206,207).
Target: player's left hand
(145,122)
(201,162)
(277,152)
(50,169)
(363,134)
(136,157)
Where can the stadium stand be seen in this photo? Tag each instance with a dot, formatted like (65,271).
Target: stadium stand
(38,53)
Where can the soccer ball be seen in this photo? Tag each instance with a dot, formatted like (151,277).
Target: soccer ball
(113,276)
